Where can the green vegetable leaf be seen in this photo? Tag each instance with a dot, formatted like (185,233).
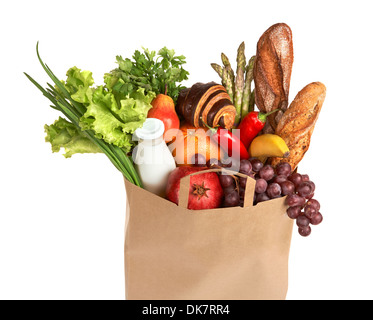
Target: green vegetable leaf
(69,134)
(64,134)
(124,65)
(115,123)
(78,84)
(160,72)
(113,112)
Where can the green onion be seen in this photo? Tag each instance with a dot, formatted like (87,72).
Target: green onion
(72,110)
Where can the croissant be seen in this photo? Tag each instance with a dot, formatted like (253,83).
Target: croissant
(206,103)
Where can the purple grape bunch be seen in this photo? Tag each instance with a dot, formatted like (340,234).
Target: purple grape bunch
(302,206)
(280,181)
(272,183)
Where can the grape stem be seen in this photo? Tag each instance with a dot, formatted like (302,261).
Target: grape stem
(236,182)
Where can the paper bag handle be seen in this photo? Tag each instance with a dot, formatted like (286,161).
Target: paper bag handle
(185,185)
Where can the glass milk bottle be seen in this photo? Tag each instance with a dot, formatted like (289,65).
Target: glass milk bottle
(153,160)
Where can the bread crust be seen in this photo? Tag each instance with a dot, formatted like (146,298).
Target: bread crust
(272,72)
(298,122)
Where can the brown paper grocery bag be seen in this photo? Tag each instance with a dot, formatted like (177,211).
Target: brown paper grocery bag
(172,253)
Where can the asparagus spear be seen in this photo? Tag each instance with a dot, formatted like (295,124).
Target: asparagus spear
(226,79)
(230,76)
(252,101)
(249,75)
(218,69)
(227,64)
(239,82)
(228,83)
(239,86)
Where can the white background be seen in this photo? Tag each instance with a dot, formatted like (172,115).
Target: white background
(62,220)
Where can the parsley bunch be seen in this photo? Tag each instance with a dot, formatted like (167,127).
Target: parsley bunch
(160,72)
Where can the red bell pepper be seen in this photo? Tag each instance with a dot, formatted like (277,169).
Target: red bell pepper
(251,125)
(230,143)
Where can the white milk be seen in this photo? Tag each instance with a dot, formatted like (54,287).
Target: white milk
(153,160)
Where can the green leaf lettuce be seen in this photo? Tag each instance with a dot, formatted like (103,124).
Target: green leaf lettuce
(112,116)
(78,84)
(116,123)
(64,134)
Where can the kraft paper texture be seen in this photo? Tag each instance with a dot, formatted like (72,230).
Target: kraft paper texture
(172,253)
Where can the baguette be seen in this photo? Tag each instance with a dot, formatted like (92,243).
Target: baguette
(298,122)
(272,72)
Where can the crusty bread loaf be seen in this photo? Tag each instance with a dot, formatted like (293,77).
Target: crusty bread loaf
(297,124)
(272,72)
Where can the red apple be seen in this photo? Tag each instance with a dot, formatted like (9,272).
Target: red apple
(205,191)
